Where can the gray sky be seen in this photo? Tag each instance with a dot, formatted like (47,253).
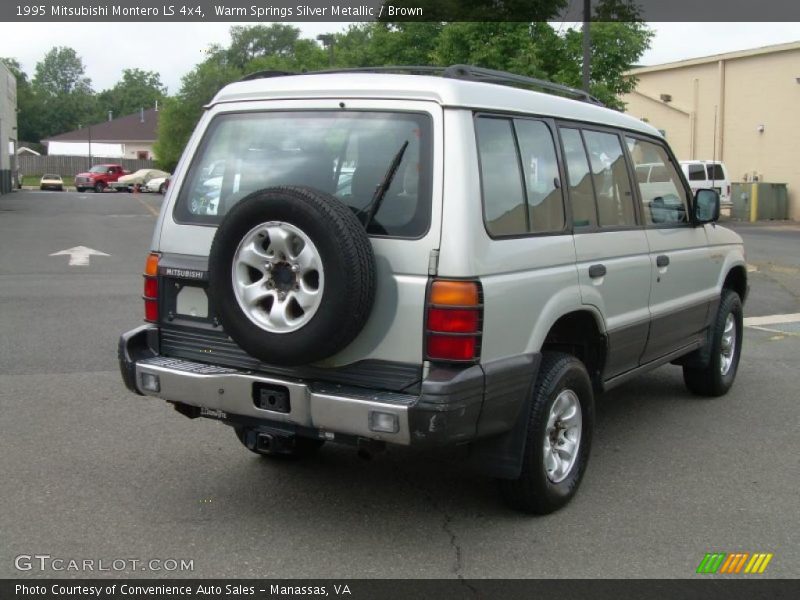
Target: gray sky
(173,49)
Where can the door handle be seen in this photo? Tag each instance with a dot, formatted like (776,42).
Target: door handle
(596,271)
(662,260)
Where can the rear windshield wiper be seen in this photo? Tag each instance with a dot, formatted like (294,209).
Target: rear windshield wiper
(380,191)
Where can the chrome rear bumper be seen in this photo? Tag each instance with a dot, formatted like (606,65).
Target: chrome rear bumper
(327,408)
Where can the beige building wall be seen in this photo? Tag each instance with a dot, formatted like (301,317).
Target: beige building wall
(131,149)
(753,95)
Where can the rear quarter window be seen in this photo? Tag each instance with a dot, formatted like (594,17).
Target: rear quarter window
(519,177)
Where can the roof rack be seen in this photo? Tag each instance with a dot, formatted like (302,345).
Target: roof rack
(463,72)
(471,73)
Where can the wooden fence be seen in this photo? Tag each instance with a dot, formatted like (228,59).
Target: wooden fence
(67,166)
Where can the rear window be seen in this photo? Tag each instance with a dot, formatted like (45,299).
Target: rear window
(715,172)
(346,154)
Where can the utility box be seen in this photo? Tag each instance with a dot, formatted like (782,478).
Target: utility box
(759,201)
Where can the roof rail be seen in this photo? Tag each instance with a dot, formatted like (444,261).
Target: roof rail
(266,74)
(463,72)
(471,73)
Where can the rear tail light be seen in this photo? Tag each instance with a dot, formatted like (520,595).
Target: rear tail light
(453,321)
(151,288)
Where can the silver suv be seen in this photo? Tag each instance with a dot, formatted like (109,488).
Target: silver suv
(429,258)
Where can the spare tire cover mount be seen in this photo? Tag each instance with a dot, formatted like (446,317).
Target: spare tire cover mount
(292,275)
(278,277)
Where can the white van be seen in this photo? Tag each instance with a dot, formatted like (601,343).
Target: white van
(708,174)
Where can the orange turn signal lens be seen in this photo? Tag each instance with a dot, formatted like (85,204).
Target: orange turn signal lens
(151,266)
(454,293)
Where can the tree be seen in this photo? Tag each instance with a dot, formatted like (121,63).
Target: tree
(137,89)
(535,48)
(378,44)
(29,110)
(181,113)
(61,72)
(616,46)
(532,49)
(65,93)
(250,42)
(274,47)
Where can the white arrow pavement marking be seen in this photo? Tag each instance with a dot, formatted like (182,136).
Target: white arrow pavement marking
(79,255)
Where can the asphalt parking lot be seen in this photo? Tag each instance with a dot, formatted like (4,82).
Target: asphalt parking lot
(91,471)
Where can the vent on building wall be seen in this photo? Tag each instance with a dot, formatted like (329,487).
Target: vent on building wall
(666,97)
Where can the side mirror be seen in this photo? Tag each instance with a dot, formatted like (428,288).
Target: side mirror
(706,207)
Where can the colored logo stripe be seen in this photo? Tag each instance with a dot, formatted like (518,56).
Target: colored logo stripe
(724,563)
(734,562)
(758,564)
(711,562)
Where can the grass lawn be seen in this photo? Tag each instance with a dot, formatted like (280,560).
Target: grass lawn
(34,180)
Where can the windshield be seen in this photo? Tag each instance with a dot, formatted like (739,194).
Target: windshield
(98,169)
(346,154)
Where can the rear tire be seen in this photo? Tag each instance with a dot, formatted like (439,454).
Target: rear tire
(561,419)
(162,189)
(717,377)
(80,189)
(302,447)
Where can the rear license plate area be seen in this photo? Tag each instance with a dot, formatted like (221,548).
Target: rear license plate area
(271,397)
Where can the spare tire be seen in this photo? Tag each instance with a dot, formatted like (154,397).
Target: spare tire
(291,275)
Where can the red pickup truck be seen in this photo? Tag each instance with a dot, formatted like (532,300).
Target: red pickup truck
(98,177)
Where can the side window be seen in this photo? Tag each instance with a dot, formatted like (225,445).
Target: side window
(611,182)
(663,198)
(697,173)
(581,193)
(503,196)
(540,167)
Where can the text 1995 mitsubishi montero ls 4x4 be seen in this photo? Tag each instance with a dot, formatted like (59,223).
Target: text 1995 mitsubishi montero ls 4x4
(430,257)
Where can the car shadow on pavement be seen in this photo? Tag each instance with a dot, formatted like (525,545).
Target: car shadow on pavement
(399,480)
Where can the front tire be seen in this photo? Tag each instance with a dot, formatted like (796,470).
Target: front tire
(99,187)
(558,438)
(716,378)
